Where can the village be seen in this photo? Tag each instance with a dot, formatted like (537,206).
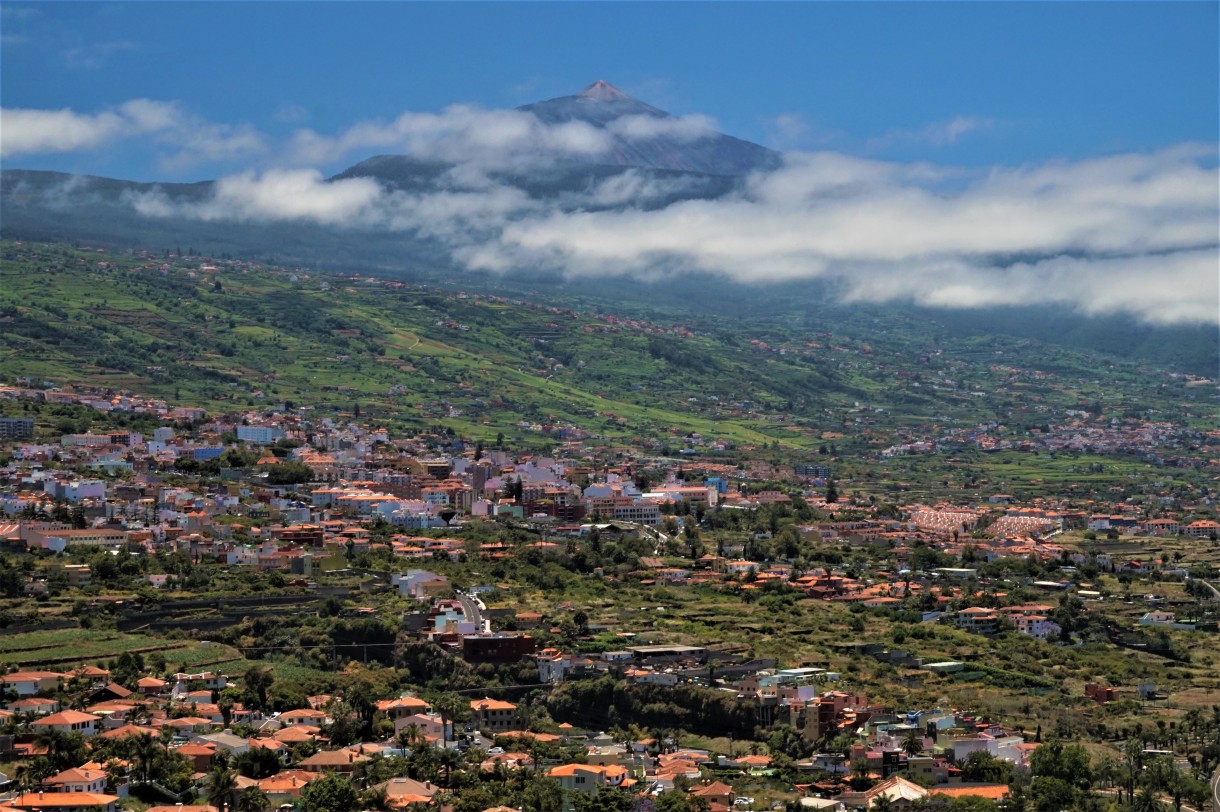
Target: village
(332,517)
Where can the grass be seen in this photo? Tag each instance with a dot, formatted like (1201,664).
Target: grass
(75,646)
(251,336)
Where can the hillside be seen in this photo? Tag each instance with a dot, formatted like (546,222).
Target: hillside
(212,332)
(438,213)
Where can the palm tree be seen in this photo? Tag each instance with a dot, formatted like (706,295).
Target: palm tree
(859,769)
(251,799)
(912,745)
(144,751)
(1145,801)
(220,787)
(34,772)
(1133,750)
(54,740)
(448,759)
(409,736)
(115,772)
(451,708)
(137,715)
(375,797)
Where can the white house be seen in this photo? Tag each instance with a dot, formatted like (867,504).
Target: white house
(68,721)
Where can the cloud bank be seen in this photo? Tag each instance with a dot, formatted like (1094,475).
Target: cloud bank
(1130,234)
(460,134)
(184,138)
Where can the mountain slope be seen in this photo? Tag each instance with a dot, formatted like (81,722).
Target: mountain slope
(212,332)
(653,138)
(657,160)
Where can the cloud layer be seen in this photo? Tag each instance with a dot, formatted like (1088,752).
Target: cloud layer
(1133,234)
(183,138)
(458,134)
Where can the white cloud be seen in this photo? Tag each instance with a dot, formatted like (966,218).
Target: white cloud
(936,134)
(189,138)
(491,138)
(1133,233)
(96,55)
(32,131)
(275,195)
(792,131)
(630,188)
(679,128)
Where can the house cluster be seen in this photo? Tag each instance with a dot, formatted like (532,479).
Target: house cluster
(910,755)
(103,400)
(183,714)
(358,474)
(1076,432)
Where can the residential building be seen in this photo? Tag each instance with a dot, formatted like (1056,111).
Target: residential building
(979,620)
(16,428)
(260,435)
(493,715)
(68,721)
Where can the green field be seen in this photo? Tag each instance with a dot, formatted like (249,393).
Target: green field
(67,647)
(232,336)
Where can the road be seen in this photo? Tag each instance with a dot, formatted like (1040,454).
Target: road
(1215,592)
(470,608)
(1216,790)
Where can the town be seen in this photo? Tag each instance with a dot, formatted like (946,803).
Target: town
(270,608)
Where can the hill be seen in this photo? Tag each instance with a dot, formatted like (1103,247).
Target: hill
(438,213)
(658,140)
(232,333)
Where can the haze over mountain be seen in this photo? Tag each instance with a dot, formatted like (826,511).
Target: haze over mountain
(600,186)
(643,136)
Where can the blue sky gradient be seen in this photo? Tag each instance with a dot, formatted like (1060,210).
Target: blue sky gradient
(1023,81)
(955,155)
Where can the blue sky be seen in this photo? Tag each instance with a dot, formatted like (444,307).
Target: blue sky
(972,84)
(963,154)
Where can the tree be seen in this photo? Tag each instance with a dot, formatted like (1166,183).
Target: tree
(409,736)
(52,740)
(331,793)
(258,762)
(225,704)
(452,708)
(912,743)
(34,772)
(607,799)
(982,767)
(1145,801)
(447,760)
(1053,794)
(675,801)
(288,473)
(257,681)
(1066,762)
(252,799)
(832,492)
(540,795)
(375,797)
(144,752)
(220,787)
(64,750)
(859,774)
